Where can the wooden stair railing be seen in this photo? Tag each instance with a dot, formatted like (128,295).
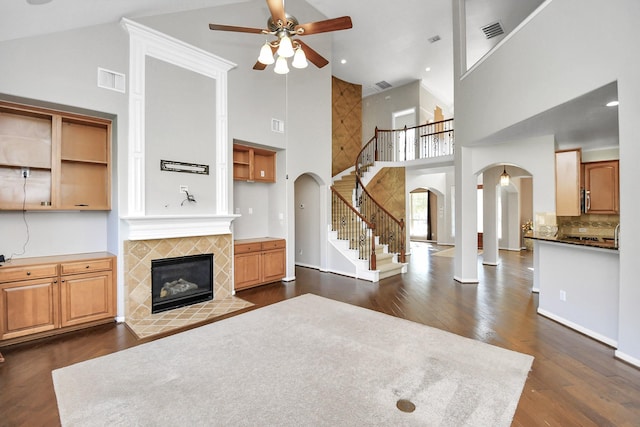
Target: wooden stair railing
(352,226)
(418,142)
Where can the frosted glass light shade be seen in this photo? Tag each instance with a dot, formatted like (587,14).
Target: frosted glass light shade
(281,65)
(299,59)
(266,55)
(286,48)
(504,178)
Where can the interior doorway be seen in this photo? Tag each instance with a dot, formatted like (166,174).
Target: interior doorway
(423,214)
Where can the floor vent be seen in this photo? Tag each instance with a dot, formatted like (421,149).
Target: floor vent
(493,30)
(383,85)
(111,80)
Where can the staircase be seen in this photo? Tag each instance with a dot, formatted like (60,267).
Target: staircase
(355,238)
(363,230)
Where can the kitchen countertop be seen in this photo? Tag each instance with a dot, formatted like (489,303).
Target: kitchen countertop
(604,243)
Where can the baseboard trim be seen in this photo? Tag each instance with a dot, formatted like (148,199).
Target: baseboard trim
(626,358)
(461,280)
(584,331)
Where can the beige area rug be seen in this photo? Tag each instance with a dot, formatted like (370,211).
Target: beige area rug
(304,361)
(166,321)
(450,253)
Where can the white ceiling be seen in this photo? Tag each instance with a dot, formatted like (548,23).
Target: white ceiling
(388,42)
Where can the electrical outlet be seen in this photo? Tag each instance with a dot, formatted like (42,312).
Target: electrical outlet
(563,296)
(582,230)
(184,188)
(25,173)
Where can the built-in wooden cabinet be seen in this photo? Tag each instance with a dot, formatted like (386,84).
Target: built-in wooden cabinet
(46,295)
(568,166)
(253,164)
(258,261)
(602,187)
(53,160)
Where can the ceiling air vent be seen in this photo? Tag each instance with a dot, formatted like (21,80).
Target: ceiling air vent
(383,85)
(493,30)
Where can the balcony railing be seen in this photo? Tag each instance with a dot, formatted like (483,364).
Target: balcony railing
(418,142)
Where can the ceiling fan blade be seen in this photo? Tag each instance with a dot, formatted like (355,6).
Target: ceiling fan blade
(335,24)
(314,57)
(276,7)
(259,66)
(218,27)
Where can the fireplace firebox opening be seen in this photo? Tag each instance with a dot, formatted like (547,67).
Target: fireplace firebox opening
(181,281)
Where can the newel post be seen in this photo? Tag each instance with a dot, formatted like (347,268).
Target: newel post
(402,241)
(376,145)
(372,257)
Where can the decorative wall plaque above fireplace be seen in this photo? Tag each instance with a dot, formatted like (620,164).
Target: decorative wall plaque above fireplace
(181,281)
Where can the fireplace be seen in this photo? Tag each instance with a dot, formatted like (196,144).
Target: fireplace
(177,282)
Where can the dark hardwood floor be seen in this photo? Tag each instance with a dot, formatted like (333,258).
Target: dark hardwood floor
(575,381)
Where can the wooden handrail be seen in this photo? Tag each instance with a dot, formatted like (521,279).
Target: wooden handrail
(366,250)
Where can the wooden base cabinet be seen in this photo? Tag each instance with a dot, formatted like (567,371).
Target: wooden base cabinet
(47,295)
(259,261)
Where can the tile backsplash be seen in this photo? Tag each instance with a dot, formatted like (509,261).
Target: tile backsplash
(588,225)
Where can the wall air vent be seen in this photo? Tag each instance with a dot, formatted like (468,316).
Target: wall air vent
(493,30)
(111,80)
(277,125)
(383,85)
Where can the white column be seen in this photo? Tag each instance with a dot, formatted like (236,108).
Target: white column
(466,253)
(490,216)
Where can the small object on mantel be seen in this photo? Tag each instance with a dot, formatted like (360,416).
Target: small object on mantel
(1,358)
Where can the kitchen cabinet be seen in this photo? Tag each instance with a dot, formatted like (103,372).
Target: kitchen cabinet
(53,160)
(258,261)
(602,187)
(568,169)
(47,295)
(253,164)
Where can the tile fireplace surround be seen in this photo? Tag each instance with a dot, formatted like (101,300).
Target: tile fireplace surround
(137,288)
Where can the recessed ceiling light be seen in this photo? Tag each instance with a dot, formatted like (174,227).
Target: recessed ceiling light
(612,104)
(427,69)
(343,61)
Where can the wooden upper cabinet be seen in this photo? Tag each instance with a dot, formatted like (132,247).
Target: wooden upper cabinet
(568,165)
(65,156)
(253,164)
(602,187)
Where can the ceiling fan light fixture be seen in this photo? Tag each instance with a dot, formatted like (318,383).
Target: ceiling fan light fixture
(281,65)
(266,55)
(286,47)
(504,177)
(299,59)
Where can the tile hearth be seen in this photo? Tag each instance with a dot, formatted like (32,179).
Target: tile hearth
(137,263)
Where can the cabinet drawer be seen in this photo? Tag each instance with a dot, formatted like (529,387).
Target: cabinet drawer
(273,244)
(85,266)
(10,274)
(247,247)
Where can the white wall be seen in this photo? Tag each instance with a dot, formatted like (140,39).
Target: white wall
(378,109)
(60,71)
(544,65)
(307,220)
(440,183)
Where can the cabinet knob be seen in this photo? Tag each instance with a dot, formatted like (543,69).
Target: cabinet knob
(87,266)
(28,273)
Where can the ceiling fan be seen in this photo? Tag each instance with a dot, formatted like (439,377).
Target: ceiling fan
(284,27)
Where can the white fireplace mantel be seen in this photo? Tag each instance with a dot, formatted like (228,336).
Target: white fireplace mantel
(171,226)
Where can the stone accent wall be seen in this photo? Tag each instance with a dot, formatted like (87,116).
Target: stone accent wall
(346,101)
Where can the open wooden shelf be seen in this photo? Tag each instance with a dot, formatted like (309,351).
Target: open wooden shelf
(68,157)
